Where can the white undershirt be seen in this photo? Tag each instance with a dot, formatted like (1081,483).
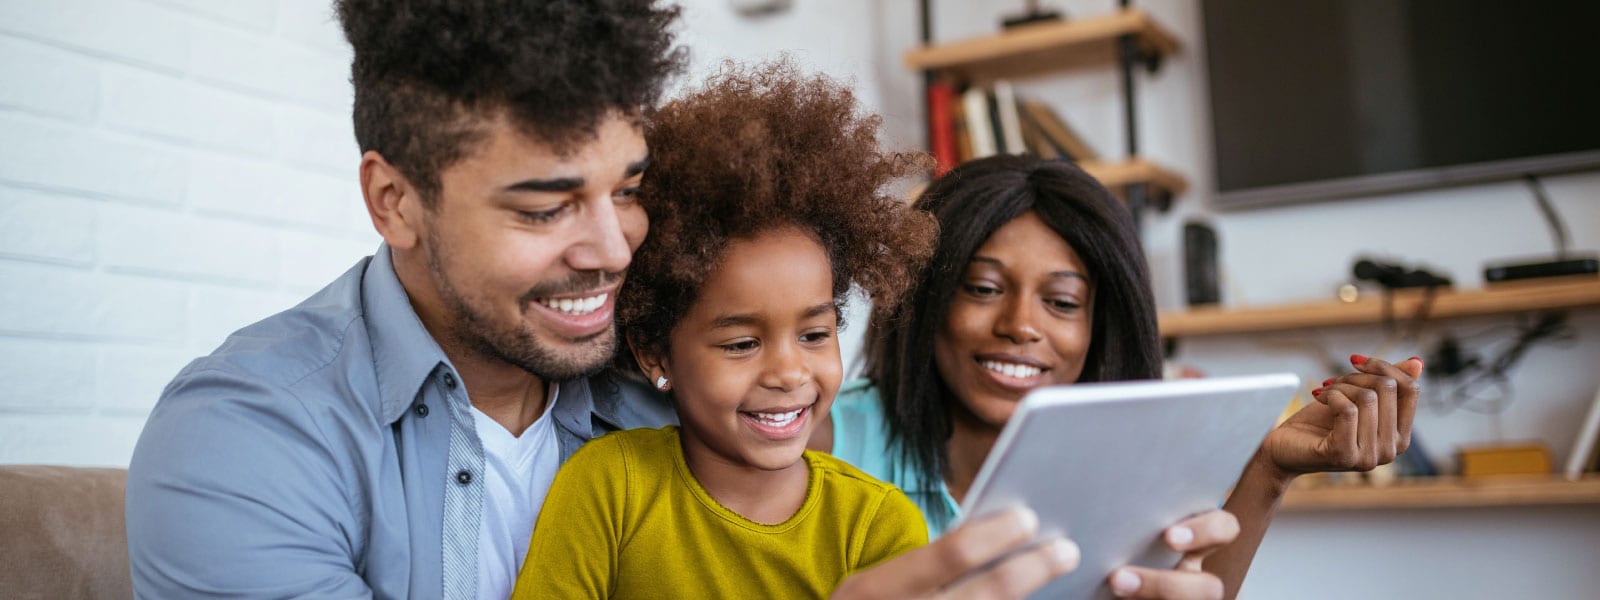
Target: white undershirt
(518,472)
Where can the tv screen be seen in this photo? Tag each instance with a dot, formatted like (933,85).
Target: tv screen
(1320,99)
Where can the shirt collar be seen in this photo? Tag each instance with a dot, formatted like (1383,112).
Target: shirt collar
(404,355)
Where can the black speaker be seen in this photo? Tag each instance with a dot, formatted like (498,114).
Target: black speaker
(1200,263)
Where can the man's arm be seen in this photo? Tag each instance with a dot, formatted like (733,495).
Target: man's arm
(233,491)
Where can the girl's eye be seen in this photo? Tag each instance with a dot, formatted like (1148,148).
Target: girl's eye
(627,194)
(815,336)
(740,347)
(980,290)
(543,216)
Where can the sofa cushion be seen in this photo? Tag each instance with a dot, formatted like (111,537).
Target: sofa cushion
(63,533)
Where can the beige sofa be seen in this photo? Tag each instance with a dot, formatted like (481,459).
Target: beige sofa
(61,533)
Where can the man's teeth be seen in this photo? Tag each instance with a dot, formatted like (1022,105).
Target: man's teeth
(1011,369)
(578,307)
(778,419)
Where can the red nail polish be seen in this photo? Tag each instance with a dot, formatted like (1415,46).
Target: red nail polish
(1316,392)
(1357,359)
(1327,382)
(1418,359)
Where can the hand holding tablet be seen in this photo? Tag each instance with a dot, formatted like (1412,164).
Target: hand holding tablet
(1111,466)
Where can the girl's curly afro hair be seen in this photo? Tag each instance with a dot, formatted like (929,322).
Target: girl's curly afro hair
(757,148)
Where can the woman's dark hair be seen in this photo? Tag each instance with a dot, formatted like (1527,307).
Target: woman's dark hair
(757,148)
(970,203)
(429,73)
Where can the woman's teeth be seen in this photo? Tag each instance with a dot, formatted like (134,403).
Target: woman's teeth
(1011,369)
(575,307)
(778,419)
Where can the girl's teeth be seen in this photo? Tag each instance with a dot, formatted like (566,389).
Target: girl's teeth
(778,419)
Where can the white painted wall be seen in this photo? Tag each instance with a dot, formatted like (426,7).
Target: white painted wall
(1303,253)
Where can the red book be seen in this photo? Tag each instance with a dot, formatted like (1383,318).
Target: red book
(941,127)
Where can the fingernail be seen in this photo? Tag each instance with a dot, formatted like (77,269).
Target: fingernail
(1327,382)
(1124,582)
(1357,359)
(1180,537)
(1316,392)
(1066,554)
(1418,359)
(1026,518)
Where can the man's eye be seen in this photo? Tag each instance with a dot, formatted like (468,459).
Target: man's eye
(542,216)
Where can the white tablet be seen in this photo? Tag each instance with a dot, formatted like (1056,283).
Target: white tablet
(1112,465)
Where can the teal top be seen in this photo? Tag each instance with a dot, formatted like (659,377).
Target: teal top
(861,438)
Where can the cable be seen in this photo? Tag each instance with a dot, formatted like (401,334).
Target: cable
(1485,387)
(1558,228)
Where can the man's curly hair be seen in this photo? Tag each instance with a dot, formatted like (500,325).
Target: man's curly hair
(428,73)
(757,148)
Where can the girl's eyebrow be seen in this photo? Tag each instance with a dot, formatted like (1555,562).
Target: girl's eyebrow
(745,319)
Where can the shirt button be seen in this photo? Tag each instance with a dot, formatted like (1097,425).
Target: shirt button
(449,380)
(464,477)
(421,410)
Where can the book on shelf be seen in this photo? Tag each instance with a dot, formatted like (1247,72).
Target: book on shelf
(941,126)
(1058,137)
(979,124)
(1585,454)
(1010,121)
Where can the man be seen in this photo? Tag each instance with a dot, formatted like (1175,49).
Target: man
(394,434)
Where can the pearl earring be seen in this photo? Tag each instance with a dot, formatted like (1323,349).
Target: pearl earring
(661,383)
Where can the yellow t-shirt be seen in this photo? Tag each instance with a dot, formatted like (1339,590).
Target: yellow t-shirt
(626,519)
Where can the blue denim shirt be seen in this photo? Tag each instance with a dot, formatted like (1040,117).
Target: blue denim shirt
(329,451)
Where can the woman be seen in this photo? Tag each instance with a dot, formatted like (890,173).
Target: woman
(1038,279)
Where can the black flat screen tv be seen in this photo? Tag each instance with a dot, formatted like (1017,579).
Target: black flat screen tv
(1323,99)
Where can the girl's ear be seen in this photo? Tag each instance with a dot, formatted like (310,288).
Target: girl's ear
(652,366)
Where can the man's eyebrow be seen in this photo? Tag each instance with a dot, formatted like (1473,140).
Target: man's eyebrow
(1059,274)
(567,184)
(559,184)
(637,167)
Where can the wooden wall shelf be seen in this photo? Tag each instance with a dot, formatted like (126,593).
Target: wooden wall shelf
(1555,293)
(1044,47)
(1447,492)
(1117,174)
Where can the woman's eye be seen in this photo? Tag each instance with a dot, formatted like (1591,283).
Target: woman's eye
(1064,305)
(627,194)
(542,216)
(980,290)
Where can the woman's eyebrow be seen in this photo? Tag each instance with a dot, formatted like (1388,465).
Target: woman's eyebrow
(998,263)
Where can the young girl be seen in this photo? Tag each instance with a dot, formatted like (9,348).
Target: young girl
(765,206)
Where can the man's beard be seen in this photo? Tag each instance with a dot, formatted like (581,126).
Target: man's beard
(512,343)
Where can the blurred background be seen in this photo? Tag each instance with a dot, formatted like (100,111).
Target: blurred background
(171,170)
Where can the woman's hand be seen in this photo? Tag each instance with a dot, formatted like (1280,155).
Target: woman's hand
(1359,421)
(1196,537)
(958,564)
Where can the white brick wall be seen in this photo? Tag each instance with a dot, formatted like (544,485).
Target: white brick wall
(170,170)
